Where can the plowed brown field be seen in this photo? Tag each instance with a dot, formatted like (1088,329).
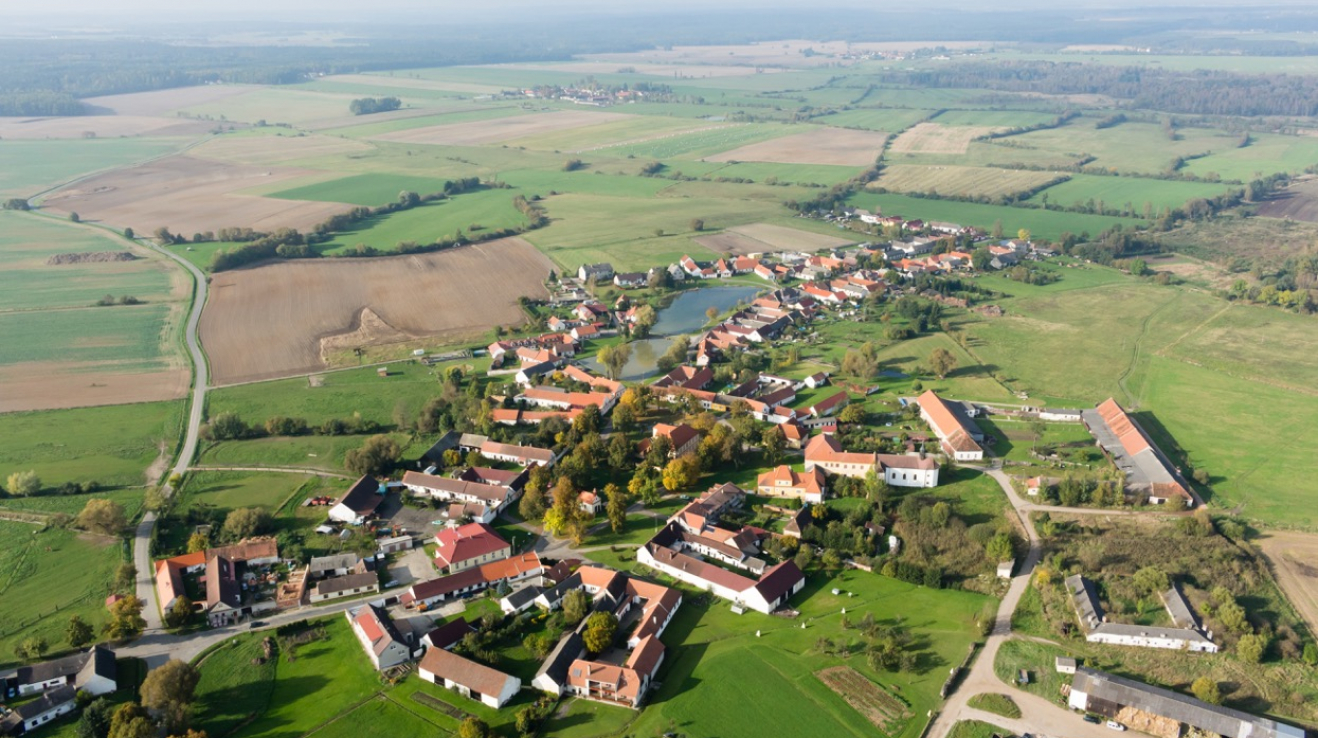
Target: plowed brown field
(188,195)
(841,146)
(277,320)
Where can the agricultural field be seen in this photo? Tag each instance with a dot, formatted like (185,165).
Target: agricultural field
(1265,153)
(82,565)
(1294,558)
(937,138)
(203,196)
(1046,224)
(35,165)
(992,118)
(115,446)
(369,190)
(340,394)
(960,181)
(469,213)
(836,146)
(890,120)
(615,132)
(501,130)
(1130,147)
(63,349)
(330,304)
(1131,193)
(85,127)
(1297,202)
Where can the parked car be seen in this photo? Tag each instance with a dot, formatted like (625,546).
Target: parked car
(1092,719)
(1113,724)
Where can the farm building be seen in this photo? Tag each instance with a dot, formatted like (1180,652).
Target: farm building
(959,435)
(337,565)
(783,481)
(522,567)
(1130,702)
(1130,449)
(448,635)
(666,552)
(1186,636)
(358,504)
(375,630)
(468,678)
(683,438)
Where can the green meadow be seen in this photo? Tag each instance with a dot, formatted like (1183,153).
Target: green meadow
(36,164)
(1118,192)
(111,445)
(1047,224)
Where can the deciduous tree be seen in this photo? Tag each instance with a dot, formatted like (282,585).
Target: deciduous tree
(616,507)
(942,362)
(246,522)
(600,629)
(102,516)
(125,619)
(1207,690)
(168,690)
(79,632)
(23,484)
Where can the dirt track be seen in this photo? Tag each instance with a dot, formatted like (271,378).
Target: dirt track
(274,320)
(187,195)
(840,146)
(1294,558)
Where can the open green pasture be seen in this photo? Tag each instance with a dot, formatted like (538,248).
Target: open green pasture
(363,189)
(470,213)
(957,181)
(27,282)
(131,499)
(1129,147)
(891,120)
(623,230)
(824,174)
(126,334)
(1046,224)
(715,653)
(714,140)
(49,575)
(1194,371)
(315,452)
(34,165)
(340,394)
(1266,153)
(1117,192)
(1001,153)
(280,105)
(112,445)
(993,118)
(465,114)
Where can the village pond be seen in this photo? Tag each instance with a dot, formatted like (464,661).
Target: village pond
(685,315)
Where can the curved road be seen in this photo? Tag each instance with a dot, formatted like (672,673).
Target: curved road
(146,589)
(1038,715)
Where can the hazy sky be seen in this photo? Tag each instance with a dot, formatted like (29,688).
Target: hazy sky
(75,11)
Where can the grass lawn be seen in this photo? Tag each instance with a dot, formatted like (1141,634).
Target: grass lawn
(975,729)
(327,679)
(131,500)
(998,704)
(1117,192)
(36,560)
(1015,439)
(112,445)
(638,529)
(316,452)
(704,678)
(487,209)
(339,394)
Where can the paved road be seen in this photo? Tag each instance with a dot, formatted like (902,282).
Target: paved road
(146,590)
(1038,715)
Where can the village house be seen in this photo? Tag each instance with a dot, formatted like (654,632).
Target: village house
(31,715)
(522,455)
(480,501)
(825,452)
(358,504)
(519,568)
(92,671)
(467,546)
(561,399)
(232,577)
(336,565)
(643,611)
(797,522)
(783,481)
(474,681)
(771,591)
(631,280)
(830,404)
(958,434)
(350,585)
(1133,452)
(591,503)
(385,646)
(598,272)
(684,438)
(686,377)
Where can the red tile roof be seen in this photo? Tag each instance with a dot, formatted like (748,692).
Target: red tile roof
(455,545)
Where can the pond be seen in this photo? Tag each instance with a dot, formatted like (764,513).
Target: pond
(683,316)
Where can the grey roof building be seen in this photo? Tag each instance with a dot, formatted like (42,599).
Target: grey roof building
(1106,694)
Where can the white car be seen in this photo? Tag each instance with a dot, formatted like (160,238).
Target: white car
(1113,724)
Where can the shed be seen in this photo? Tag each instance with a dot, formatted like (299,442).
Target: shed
(1006,568)
(1065,665)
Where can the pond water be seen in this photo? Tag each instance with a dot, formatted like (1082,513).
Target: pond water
(683,316)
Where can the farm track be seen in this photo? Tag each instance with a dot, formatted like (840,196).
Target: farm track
(280,469)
